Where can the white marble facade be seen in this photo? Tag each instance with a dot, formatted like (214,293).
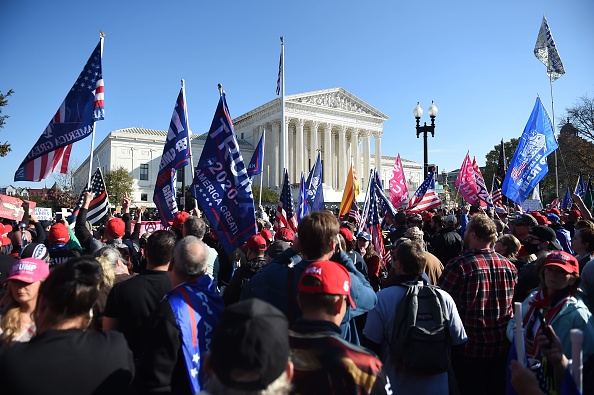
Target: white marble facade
(333,121)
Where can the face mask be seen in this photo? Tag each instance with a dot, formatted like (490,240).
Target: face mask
(531,248)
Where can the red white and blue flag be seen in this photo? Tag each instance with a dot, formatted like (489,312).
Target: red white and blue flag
(73,121)
(425,198)
(285,211)
(176,154)
(373,220)
(255,166)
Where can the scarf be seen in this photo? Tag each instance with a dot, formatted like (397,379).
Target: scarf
(551,305)
(196,307)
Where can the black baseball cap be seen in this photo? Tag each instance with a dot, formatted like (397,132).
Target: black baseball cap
(251,336)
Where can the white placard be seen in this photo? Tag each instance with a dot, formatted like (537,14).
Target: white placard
(43,213)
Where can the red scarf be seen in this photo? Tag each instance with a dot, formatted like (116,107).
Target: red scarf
(551,305)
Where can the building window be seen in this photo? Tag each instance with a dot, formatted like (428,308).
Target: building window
(144,197)
(144,170)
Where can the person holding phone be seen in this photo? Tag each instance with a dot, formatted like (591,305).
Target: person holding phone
(556,303)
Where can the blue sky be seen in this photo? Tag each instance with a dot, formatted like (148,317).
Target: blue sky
(474,59)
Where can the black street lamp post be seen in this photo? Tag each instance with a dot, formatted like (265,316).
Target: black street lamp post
(418,113)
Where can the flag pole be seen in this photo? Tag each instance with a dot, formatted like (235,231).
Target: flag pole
(262,175)
(283,159)
(183,84)
(101,37)
(554,132)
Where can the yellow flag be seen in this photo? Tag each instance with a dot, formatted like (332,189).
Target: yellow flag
(351,191)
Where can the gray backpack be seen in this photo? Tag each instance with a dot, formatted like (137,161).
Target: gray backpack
(421,342)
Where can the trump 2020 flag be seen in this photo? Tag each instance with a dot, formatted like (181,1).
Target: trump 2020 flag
(255,166)
(222,185)
(176,154)
(529,163)
(398,187)
(73,121)
(313,186)
(545,50)
(580,187)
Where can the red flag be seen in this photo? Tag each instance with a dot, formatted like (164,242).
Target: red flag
(398,187)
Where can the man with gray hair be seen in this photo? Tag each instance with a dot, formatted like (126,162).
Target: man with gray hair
(179,332)
(195,226)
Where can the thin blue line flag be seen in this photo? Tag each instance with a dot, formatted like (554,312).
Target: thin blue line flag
(176,154)
(315,192)
(529,163)
(222,185)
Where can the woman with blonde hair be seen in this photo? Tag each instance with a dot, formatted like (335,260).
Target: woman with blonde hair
(114,271)
(19,302)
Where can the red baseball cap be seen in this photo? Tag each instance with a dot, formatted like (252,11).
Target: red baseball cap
(58,234)
(115,228)
(257,243)
(267,235)
(179,219)
(563,260)
(28,270)
(347,234)
(285,234)
(334,280)
(4,231)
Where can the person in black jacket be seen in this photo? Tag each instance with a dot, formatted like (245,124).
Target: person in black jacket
(64,357)
(447,243)
(255,250)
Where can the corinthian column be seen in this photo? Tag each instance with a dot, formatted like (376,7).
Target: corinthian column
(327,154)
(313,142)
(342,157)
(367,156)
(299,147)
(355,151)
(378,152)
(274,160)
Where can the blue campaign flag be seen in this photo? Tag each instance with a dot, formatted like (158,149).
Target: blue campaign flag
(580,188)
(302,209)
(566,202)
(176,154)
(255,166)
(529,163)
(315,192)
(222,185)
(386,204)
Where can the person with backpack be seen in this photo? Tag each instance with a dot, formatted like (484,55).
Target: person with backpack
(415,363)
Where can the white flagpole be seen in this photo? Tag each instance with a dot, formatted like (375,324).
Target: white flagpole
(101,36)
(262,164)
(183,84)
(554,133)
(283,159)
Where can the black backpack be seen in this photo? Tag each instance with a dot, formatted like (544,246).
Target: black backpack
(421,342)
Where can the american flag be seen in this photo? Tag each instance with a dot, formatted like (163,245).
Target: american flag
(99,206)
(285,217)
(425,198)
(280,73)
(498,177)
(373,221)
(73,121)
(355,214)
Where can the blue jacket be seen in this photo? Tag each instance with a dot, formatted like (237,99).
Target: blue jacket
(271,285)
(573,315)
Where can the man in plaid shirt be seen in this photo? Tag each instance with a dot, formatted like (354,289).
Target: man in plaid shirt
(481,282)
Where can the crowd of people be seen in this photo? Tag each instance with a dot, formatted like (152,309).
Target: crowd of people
(88,310)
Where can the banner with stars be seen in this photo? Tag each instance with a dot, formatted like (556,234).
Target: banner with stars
(222,185)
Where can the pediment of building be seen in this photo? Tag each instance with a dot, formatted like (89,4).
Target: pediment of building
(336,99)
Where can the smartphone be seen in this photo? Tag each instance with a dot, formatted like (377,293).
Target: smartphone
(546,329)
(58,216)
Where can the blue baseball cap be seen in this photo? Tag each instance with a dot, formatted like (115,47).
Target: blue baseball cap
(364,235)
